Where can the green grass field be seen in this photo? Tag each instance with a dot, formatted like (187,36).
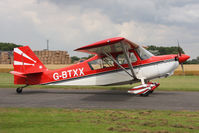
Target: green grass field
(23,120)
(173,83)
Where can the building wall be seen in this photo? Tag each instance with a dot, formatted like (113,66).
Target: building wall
(46,57)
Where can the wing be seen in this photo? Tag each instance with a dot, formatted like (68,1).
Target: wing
(111,45)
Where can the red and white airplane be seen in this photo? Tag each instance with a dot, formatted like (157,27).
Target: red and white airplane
(117,61)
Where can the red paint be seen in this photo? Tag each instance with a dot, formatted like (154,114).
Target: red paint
(101,43)
(183,58)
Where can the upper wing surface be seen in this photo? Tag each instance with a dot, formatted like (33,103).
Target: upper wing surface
(111,45)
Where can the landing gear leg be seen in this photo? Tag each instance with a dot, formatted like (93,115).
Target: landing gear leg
(20,89)
(143,81)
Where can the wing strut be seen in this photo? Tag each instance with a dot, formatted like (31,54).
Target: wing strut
(111,57)
(126,53)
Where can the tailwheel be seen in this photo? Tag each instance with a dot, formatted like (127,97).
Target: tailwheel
(19,90)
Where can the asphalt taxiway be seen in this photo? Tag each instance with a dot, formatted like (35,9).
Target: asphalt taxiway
(98,99)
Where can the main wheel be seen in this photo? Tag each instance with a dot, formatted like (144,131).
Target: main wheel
(19,90)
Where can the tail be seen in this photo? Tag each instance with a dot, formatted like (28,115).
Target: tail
(25,63)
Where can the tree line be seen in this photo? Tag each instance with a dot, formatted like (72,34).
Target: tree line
(160,50)
(8,46)
(170,50)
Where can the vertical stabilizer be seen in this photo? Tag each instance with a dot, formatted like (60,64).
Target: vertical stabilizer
(25,61)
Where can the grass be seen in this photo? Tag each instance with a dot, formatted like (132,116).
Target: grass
(42,120)
(179,83)
(173,83)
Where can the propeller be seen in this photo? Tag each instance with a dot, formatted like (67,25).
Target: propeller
(179,55)
(179,50)
(182,68)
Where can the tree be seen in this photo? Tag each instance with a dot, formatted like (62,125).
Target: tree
(164,50)
(8,46)
(193,61)
(74,58)
(89,56)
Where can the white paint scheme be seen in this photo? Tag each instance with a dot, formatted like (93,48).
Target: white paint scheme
(16,50)
(22,63)
(167,68)
(101,79)
(138,91)
(148,71)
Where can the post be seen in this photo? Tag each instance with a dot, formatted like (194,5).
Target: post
(47,45)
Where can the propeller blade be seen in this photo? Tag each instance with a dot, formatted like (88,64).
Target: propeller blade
(182,67)
(179,50)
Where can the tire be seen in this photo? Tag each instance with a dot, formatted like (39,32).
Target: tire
(19,90)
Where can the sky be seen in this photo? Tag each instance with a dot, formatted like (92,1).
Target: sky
(70,24)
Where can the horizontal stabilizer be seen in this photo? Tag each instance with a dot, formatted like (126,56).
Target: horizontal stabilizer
(23,75)
(18,74)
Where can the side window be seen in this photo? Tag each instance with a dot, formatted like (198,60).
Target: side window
(107,62)
(122,59)
(101,63)
(143,53)
(133,57)
(95,64)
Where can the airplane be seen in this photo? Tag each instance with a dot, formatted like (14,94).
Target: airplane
(116,61)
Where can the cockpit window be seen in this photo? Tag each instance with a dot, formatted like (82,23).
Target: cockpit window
(143,53)
(122,59)
(101,63)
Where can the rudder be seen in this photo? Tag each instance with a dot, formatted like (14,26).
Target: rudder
(25,61)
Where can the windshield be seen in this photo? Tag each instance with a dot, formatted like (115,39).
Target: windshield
(143,53)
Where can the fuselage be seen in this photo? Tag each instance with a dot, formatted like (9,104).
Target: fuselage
(116,61)
(99,70)
(155,67)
